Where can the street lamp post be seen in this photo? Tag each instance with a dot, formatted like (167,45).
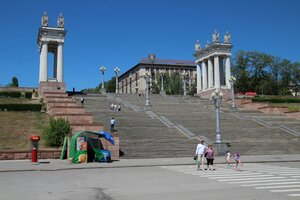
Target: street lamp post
(102,69)
(231,81)
(220,147)
(217,98)
(147,89)
(162,73)
(184,74)
(117,71)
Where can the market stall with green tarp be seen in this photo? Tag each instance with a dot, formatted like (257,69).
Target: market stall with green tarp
(86,146)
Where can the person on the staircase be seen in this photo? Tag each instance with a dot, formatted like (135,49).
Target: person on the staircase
(112,124)
(81,100)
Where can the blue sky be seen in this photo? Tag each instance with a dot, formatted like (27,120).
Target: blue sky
(121,32)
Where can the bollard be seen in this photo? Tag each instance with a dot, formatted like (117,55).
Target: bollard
(34,141)
(34,155)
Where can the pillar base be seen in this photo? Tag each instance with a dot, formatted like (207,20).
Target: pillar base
(45,86)
(103,91)
(221,148)
(147,107)
(162,92)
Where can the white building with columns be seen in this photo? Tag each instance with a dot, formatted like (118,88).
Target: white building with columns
(51,40)
(213,65)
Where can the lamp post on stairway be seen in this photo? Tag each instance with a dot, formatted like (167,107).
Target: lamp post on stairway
(117,71)
(147,89)
(231,81)
(216,96)
(102,69)
(184,76)
(162,73)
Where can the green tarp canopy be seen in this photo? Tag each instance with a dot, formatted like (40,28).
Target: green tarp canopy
(74,153)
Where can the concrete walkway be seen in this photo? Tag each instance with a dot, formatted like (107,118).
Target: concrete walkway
(54,165)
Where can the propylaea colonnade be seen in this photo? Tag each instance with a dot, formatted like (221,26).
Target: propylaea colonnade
(51,40)
(213,64)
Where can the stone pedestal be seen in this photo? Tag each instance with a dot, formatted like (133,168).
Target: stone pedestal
(147,107)
(221,149)
(54,87)
(162,92)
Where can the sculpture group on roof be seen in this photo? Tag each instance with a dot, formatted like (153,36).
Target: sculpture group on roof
(215,39)
(60,20)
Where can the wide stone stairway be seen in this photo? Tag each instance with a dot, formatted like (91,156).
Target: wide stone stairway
(173,126)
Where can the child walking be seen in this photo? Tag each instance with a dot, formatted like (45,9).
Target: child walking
(237,159)
(228,159)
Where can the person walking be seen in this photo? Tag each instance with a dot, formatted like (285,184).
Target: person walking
(112,125)
(199,153)
(209,154)
(81,100)
(237,158)
(228,159)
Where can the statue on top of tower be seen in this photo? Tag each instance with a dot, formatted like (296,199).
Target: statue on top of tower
(45,19)
(197,46)
(227,38)
(60,21)
(215,36)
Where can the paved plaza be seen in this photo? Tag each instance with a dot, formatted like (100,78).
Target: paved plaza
(260,177)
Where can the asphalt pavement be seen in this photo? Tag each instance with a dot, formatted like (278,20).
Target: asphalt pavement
(56,164)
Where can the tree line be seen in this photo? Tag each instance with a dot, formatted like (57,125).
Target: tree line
(265,74)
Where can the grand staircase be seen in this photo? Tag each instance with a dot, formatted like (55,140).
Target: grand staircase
(173,125)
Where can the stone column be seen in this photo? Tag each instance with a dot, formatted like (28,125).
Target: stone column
(227,72)
(222,72)
(217,72)
(210,74)
(60,62)
(199,79)
(55,64)
(44,61)
(204,75)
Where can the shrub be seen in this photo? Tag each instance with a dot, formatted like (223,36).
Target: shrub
(55,133)
(10,94)
(21,107)
(273,99)
(28,95)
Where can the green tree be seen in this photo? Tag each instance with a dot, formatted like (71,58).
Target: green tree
(241,73)
(264,74)
(111,85)
(173,84)
(286,77)
(14,82)
(193,89)
(55,133)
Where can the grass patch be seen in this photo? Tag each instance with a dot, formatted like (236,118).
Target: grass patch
(292,107)
(17,126)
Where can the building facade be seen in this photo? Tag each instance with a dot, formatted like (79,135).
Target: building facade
(134,79)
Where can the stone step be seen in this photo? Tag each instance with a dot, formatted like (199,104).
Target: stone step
(94,127)
(58,99)
(55,94)
(66,110)
(65,104)
(85,118)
